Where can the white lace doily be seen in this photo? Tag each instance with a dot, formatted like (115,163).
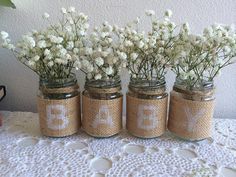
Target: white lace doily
(25,152)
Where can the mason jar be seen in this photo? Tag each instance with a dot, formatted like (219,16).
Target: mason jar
(102,107)
(59,106)
(146,111)
(191,110)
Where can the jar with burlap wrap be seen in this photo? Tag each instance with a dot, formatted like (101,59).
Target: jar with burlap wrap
(146,108)
(102,108)
(191,110)
(59,107)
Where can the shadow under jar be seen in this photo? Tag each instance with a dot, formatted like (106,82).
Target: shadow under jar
(102,108)
(191,110)
(146,108)
(59,107)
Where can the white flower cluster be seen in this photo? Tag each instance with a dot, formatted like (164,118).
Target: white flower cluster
(6,41)
(101,58)
(148,54)
(52,53)
(199,58)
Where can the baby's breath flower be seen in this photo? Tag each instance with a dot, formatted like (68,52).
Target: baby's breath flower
(31,63)
(50,64)
(70,45)
(98,77)
(122,55)
(36,58)
(168,13)
(55,39)
(71,9)
(29,41)
(47,52)
(42,44)
(186,27)
(52,52)
(101,58)
(150,12)
(137,21)
(63,10)
(149,55)
(141,44)
(198,58)
(109,70)
(128,43)
(4,35)
(99,61)
(46,15)
(134,56)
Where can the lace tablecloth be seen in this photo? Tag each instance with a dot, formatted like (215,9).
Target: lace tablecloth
(25,152)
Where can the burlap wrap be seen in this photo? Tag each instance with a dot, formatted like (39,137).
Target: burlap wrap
(59,117)
(190,119)
(59,90)
(151,91)
(146,118)
(103,90)
(102,118)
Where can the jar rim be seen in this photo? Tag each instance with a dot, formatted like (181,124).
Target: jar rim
(60,82)
(109,83)
(144,83)
(199,86)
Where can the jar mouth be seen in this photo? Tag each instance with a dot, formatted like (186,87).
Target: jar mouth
(202,85)
(143,83)
(57,83)
(109,83)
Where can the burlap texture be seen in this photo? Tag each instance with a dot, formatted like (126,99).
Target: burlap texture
(102,118)
(150,91)
(103,90)
(59,118)
(146,118)
(60,90)
(190,119)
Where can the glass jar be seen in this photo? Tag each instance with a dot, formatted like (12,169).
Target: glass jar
(191,110)
(102,107)
(59,106)
(146,112)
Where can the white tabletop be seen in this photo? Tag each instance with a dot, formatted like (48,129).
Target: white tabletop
(25,152)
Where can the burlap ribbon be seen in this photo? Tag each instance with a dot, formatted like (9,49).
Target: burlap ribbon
(102,118)
(59,117)
(146,118)
(150,91)
(59,90)
(103,90)
(190,119)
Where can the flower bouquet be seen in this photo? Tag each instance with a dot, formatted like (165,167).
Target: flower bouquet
(53,53)
(148,59)
(197,60)
(102,62)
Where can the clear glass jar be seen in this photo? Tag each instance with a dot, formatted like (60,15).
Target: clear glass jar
(191,110)
(104,90)
(146,108)
(59,106)
(202,91)
(102,107)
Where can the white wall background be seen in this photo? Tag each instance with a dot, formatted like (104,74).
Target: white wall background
(22,84)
